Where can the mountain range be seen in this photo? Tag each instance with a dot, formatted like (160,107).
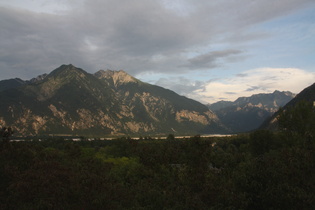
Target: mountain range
(248,113)
(71,101)
(308,94)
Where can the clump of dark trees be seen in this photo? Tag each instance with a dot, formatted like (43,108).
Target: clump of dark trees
(260,170)
(5,133)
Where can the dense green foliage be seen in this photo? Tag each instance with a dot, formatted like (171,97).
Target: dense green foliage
(299,119)
(262,170)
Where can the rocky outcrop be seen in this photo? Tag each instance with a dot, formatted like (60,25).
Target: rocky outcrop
(116,77)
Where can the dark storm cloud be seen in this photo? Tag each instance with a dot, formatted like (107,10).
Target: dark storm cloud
(128,34)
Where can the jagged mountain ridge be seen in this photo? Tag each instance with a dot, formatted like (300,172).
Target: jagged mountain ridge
(71,101)
(307,94)
(248,113)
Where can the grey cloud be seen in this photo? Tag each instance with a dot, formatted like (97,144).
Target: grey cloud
(244,13)
(253,88)
(262,87)
(137,27)
(230,93)
(33,43)
(128,34)
(211,59)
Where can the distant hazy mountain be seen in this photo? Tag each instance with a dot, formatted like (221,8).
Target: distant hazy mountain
(248,113)
(308,94)
(71,101)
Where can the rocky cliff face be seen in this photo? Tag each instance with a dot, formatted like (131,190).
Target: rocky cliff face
(72,101)
(248,113)
(115,78)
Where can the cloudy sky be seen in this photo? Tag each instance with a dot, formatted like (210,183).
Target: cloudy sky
(206,50)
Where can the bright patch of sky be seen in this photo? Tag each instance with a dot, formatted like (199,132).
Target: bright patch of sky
(255,81)
(206,50)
